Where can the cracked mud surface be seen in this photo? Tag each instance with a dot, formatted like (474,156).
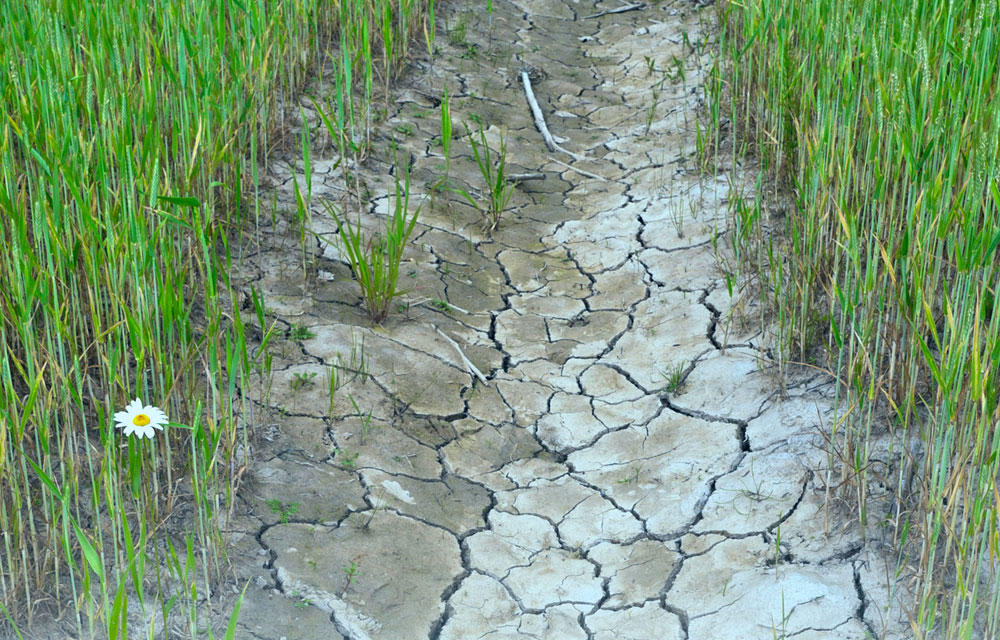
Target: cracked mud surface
(630,469)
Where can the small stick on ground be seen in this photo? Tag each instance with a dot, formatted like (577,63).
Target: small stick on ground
(536,111)
(580,171)
(521,177)
(468,363)
(622,9)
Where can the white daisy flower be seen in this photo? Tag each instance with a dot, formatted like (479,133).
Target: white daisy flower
(140,419)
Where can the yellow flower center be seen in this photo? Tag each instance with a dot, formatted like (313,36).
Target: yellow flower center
(140,420)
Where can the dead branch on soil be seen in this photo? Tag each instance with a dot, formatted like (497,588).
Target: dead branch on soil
(521,177)
(540,119)
(586,174)
(468,363)
(622,9)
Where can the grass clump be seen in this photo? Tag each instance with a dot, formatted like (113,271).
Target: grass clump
(300,332)
(879,120)
(674,376)
(492,165)
(375,258)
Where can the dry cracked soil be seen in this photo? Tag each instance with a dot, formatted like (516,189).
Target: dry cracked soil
(630,466)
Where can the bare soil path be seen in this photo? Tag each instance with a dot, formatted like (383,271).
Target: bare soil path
(630,468)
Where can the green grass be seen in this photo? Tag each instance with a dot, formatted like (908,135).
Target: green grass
(492,166)
(877,122)
(375,258)
(130,140)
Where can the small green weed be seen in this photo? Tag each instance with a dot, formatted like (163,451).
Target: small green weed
(351,572)
(348,459)
(632,478)
(302,602)
(301,380)
(300,332)
(282,510)
(366,421)
(674,377)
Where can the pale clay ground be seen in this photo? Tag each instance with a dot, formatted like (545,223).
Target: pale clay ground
(574,496)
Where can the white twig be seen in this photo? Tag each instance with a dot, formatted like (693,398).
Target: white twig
(622,9)
(433,300)
(540,119)
(468,363)
(456,308)
(521,177)
(580,171)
